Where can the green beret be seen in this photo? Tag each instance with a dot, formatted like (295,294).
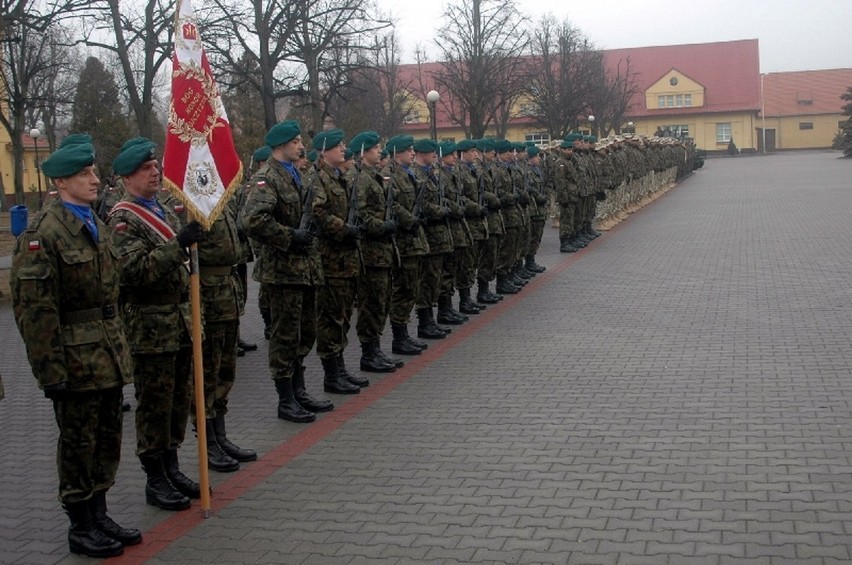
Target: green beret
(68,160)
(133,154)
(312,156)
(567,144)
(590,138)
(485,145)
(281,133)
(425,146)
(76,138)
(384,153)
(348,154)
(519,147)
(503,146)
(446,148)
(399,143)
(529,144)
(262,154)
(465,145)
(573,136)
(327,139)
(364,141)
(533,151)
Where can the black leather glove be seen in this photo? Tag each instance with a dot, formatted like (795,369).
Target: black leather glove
(351,232)
(416,224)
(56,391)
(302,237)
(191,233)
(483,211)
(389,227)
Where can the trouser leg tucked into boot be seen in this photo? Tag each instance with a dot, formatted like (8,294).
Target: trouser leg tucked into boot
(426,326)
(333,381)
(466,305)
(395,361)
(84,538)
(107,526)
(485,295)
(288,407)
(217,459)
(181,482)
(531,265)
(504,285)
(401,343)
(565,244)
(355,379)
(307,401)
(159,491)
(445,312)
(371,361)
(236,452)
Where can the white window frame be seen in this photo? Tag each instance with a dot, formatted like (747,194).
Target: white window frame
(723,128)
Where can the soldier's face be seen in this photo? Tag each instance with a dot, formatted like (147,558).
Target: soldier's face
(144,181)
(470,155)
(372,156)
(81,188)
(405,157)
(449,160)
(334,157)
(292,149)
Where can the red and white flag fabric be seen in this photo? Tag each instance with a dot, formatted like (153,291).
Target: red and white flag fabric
(200,165)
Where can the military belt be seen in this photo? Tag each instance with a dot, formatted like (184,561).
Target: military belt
(217,270)
(157,299)
(90,315)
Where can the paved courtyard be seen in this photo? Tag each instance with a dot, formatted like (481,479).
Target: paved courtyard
(678,392)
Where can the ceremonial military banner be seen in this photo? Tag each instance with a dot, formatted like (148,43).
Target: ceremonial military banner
(200,164)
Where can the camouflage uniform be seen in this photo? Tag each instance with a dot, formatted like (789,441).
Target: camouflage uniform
(438,235)
(459,232)
(476,223)
(65,290)
(273,210)
(538,214)
(155,297)
(565,187)
(505,179)
(487,268)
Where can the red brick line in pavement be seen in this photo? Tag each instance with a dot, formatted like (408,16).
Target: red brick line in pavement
(173,528)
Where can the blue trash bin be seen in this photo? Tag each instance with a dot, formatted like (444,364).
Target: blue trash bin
(18,219)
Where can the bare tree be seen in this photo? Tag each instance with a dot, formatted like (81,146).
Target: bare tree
(142,40)
(612,90)
(482,45)
(563,71)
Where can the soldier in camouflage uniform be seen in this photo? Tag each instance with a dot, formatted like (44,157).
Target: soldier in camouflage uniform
(341,263)
(487,267)
(506,185)
(410,239)
(475,216)
(279,214)
(538,214)
(450,195)
(155,306)
(379,253)
(65,292)
(436,225)
(219,251)
(565,180)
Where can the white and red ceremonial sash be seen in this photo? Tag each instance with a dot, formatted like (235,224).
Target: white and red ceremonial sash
(200,164)
(149,218)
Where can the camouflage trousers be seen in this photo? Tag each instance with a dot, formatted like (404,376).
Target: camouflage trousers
(566,219)
(293,326)
(431,272)
(220,366)
(449,270)
(374,292)
(536,233)
(487,268)
(241,274)
(406,284)
(507,255)
(163,383)
(89,446)
(335,301)
(263,307)
(467,260)
(524,239)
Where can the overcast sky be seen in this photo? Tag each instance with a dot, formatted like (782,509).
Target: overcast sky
(794,35)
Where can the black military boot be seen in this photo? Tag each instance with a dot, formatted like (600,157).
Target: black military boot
(532,266)
(395,361)
(307,401)
(236,452)
(484,295)
(446,314)
(592,232)
(463,317)
(504,286)
(217,459)
(246,346)
(466,305)
(333,382)
(84,538)
(159,491)
(357,380)
(107,526)
(401,344)
(426,326)
(288,407)
(565,244)
(371,361)
(181,482)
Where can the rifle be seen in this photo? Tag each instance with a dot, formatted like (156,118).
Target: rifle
(306,222)
(417,209)
(390,215)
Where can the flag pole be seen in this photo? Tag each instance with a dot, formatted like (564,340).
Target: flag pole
(198,378)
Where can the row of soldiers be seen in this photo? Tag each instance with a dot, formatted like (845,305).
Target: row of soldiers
(406,226)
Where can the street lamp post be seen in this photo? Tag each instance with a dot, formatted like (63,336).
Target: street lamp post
(36,134)
(630,127)
(432,98)
(591,124)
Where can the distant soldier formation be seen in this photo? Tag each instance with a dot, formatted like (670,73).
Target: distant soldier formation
(360,229)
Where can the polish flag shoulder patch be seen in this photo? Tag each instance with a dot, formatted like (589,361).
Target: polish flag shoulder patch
(120,226)
(34,245)
(179,209)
